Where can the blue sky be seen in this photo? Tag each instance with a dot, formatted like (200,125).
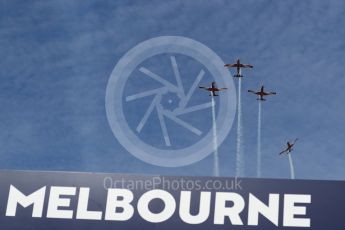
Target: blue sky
(57,56)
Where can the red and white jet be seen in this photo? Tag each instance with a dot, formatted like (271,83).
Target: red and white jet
(213,89)
(238,65)
(289,147)
(262,93)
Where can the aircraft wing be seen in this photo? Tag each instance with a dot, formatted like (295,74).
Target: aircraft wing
(269,93)
(247,66)
(283,152)
(202,87)
(230,65)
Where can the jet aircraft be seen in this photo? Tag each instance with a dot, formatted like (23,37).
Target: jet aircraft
(213,89)
(262,93)
(289,147)
(238,65)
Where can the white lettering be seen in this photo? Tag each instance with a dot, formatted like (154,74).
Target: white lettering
(271,212)
(204,207)
(83,201)
(166,213)
(233,212)
(113,202)
(55,202)
(290,210)
(16,197)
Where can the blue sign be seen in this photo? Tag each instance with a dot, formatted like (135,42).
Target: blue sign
(61,200)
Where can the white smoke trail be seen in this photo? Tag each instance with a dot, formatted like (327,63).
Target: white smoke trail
(292,169)
(239,152)
(259,143)
(215,140)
